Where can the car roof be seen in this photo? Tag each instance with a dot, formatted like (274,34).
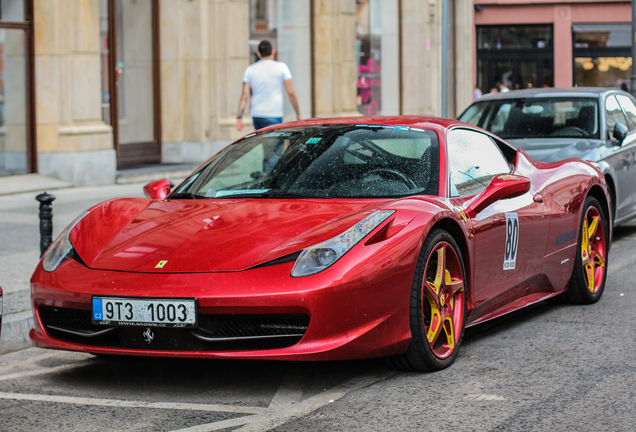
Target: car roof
(594,92)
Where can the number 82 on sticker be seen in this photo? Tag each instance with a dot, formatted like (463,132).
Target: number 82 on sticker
(512,241)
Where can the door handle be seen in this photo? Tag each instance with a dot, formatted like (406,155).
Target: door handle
(538,198)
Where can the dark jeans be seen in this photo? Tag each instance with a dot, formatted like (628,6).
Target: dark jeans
(261,122)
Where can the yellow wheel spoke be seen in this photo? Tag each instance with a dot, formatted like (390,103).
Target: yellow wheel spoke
(436,323)
(589,270)
(591,231)
(598,260)
(584,239)
(440,269)
(454,284)
(450,332)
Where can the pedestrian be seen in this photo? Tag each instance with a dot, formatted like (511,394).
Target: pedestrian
(266,80)
(477,93)
(503,88)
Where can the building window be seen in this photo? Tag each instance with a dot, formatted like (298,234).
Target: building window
(17,145)
(514,57)
(602,55)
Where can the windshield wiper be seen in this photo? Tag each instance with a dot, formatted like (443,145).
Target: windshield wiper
(284,194)
(271,194)
(185,195)
(468,175)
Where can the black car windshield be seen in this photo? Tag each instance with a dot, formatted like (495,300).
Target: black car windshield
(327,161)
(536,117)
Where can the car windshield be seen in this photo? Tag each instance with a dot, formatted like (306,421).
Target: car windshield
(536,117)
(328,161)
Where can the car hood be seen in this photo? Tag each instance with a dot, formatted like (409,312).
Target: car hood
(557,149)
(133,234)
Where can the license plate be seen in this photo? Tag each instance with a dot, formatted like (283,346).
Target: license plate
(128,311)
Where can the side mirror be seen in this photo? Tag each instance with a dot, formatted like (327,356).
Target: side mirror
(501,187)
(158,189)
(620,132)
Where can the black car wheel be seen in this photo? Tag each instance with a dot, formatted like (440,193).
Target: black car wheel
(590,263)
(438,306)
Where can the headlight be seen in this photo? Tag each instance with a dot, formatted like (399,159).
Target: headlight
(61,248)
(318,257)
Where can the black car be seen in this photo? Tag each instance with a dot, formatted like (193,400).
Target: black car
(596,124)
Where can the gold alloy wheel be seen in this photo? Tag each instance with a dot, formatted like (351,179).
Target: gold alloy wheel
(443,298)
(593,249)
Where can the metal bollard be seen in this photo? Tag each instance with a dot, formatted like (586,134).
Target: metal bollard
(46,220)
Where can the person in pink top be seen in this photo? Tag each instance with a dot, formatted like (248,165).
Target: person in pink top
(265,80)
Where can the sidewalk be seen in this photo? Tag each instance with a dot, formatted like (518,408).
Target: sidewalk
(20,235)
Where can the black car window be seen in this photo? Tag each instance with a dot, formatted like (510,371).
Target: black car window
(630,110)
(473,160)
(613,115)
(559,117)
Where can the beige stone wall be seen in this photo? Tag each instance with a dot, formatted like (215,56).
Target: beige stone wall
(464,62)
(422,57)
(335,58)
(204,50)
(68,77)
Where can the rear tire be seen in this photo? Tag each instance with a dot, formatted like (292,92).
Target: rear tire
(590,262)
(438,306)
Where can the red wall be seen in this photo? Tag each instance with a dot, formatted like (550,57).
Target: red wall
(561,15)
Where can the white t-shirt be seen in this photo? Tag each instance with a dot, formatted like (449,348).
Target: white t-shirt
(266,79)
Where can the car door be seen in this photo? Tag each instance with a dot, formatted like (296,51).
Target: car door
(510,235)
(624,162)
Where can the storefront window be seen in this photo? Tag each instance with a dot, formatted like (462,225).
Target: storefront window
(377,46)
(602,71)
(14,136)
(602,55)
(514,57)
(501,37)
(286,24)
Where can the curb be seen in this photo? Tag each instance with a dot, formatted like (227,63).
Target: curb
(28,183)
(15,332)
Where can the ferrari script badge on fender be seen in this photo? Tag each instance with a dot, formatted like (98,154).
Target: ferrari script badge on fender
(148,335)
(161,263)
(507,177)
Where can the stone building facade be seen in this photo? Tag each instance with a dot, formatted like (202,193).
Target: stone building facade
(553,43)
(108,84)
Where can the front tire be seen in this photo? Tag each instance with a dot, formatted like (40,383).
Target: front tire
(438,306)
(590,263)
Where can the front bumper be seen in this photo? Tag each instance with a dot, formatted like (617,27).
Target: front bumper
(361,315)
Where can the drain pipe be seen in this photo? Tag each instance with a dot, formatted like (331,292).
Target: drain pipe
(444,58)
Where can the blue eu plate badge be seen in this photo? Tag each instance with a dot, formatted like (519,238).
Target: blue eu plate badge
(97,309)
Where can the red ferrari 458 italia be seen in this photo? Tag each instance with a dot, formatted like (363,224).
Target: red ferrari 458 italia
(328,240)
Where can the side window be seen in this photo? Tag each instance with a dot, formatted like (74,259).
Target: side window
(630,110)
(613,115)
(501,117)
(473,160)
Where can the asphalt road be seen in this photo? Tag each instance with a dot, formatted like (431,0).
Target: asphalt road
(548,367)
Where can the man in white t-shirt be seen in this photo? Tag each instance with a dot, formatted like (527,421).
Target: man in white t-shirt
(266,79)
